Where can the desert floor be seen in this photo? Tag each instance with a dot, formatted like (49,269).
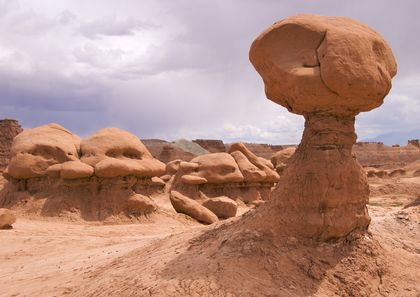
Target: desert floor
(50,257)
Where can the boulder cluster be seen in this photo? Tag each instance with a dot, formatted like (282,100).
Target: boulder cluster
(210,186)
(106,174)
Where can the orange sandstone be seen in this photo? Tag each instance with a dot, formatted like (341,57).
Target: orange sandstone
(327,69)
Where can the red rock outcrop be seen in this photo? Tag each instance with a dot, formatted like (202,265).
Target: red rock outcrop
(34,150)
(238,174)
(261,149)
(109,174)
(7,218)
(192,208)
(211,145)
(378,155)
(327,69)
(8,130)
(166,151)
(281,159)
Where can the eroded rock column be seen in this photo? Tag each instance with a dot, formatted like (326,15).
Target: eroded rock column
(323,192)
(327,69)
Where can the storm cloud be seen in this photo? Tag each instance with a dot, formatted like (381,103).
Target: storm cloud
(178,69)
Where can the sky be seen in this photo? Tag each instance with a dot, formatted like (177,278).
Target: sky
(173,69)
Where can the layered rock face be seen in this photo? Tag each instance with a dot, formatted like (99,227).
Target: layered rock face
(211,145)
(238,174)
(108,174)
(166,151)
(8,130)
(378,155)
(327,69)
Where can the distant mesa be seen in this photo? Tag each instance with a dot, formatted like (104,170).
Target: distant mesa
(211,145)
(377,154)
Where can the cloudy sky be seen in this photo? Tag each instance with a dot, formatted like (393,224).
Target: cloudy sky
(179,68)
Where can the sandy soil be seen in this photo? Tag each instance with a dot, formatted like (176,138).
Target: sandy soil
(177,257)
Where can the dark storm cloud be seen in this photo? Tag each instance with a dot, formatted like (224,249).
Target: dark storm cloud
(50,93)
(176,69)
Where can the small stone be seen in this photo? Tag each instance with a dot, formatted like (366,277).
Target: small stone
(7,218)
(222,206)
(192,208)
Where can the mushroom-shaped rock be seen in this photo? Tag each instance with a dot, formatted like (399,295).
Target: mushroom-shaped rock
(327,69)
(114,152)
(217,168)
(192,208)
(222,206)
(312,63)
(7,218)
(54,170)
(34,150)
(264,167)
(75,169)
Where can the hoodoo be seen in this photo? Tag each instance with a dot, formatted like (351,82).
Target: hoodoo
(327,69)
(108,176)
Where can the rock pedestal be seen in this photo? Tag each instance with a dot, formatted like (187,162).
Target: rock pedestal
(323,192)
(327,69)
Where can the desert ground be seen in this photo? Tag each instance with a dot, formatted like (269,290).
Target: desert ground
(55,257)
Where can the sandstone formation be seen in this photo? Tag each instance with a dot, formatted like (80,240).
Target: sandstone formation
(378,155)
(263,166)
(172,167)
(166,151)
(238,174)
(372,154)
(139,204)
(34,150)
(222,206)
(8,130)
(114,152)
(327,69)
(185,150)
(190,146)
(281,159)
(106,175)
(412,169)
(261,149)
(192,208)
(211,145)
(7,218)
